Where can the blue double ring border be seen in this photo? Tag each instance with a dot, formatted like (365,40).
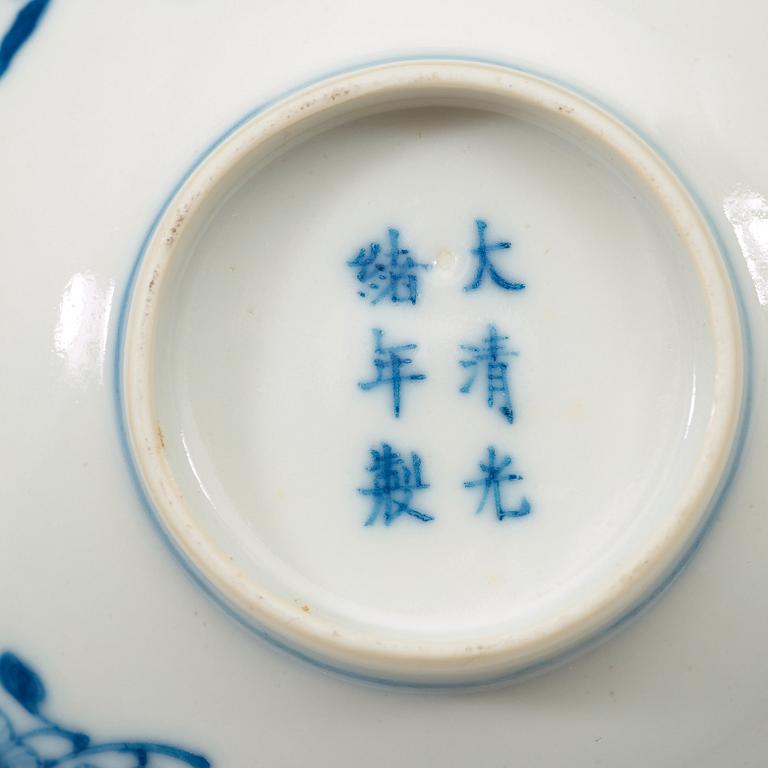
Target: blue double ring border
(712,512)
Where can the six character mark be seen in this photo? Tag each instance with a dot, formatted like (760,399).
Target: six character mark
(393,274)
(491,354)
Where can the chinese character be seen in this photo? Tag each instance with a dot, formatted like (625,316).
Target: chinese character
(492,480)
(492,353)
(483,252)
(389,363)
(392,273)
(394,484)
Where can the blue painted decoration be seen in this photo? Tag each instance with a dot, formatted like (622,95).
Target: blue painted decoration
(490,354)
(46,744)
(485,263)
(18,33)
(393,486)
(536,665)
(392,273)
(388,363)
(493,476)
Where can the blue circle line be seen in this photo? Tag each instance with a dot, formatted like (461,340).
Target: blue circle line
(569,653)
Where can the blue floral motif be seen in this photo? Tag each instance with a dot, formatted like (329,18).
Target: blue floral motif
(19,756)
(21,682)
(20,31)
(47,744)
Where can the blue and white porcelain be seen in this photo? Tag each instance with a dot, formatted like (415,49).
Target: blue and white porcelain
(610,367)
(440,365)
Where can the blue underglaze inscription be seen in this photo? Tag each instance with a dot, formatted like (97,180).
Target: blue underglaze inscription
(19,32)
(389,363)
(490,354)
(392,273)
(493,477)
(393,486)
(485,264)
(46,744)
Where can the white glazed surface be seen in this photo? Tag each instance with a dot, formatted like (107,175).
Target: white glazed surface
(245,335)
(101,113)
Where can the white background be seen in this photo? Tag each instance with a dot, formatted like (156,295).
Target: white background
(100,114)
